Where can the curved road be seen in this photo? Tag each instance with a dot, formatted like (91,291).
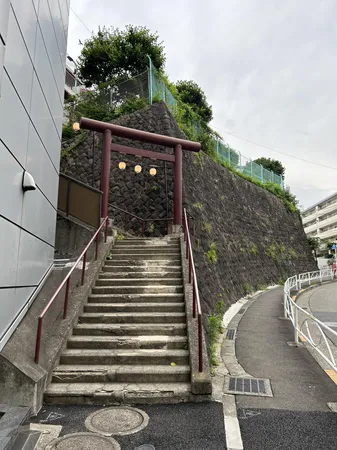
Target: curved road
(297,416)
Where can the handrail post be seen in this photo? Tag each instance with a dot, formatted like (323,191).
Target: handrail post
(84,262)
(200,342)
(106,230)
(296,325)
(190,270)
(38,340)
(125,221)
(143,227)
(97,244)
(66,298)
(194,300)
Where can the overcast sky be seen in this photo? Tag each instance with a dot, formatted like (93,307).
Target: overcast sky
(268,68)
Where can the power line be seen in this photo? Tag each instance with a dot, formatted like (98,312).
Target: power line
(79,19)
(281,153)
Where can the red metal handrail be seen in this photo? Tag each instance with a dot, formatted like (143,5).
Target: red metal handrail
(66,281)
(192,278)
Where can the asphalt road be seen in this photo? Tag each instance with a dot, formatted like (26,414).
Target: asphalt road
(297,417)
(270,429)
(185,426)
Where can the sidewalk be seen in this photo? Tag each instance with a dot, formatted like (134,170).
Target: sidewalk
(297,416)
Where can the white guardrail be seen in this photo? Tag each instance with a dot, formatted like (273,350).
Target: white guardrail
(313,331)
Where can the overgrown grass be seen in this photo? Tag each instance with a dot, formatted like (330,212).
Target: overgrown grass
(248,288)
(288,199)
(280,251)
(206,226)
(215,329)
(254,250)
(198,205)
(211,254)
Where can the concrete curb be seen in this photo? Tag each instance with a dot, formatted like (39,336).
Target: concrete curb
(229,365)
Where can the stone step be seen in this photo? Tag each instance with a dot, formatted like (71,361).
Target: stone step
(139,273)
(136,298)
(129,357)
(146,256)
(121,374)
(134,307)
(158,264)
(109,394)
(128,342)
(137,289)
(133,317)
(147,241)
(130,329)
(147,248)
(111,281)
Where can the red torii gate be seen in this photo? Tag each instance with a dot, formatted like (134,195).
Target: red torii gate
(108,130)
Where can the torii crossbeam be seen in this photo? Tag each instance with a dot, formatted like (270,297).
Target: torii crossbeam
(108,130)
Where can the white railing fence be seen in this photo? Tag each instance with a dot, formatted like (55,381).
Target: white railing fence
(316,333)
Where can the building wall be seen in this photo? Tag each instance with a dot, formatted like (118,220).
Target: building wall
(320,220)
(33,59)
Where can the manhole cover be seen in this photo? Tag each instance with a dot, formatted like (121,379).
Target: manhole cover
(117,421)
(145,447)
(248,386)
(83,441)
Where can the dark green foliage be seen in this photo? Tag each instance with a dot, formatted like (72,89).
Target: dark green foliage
(131,105)
(192,94)
(271,164)
(211,254)
(215,329)
(116,54)
(67,131)
(314,243)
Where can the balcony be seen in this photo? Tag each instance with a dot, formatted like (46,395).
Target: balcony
(327,222)
(311,228)
(329,234)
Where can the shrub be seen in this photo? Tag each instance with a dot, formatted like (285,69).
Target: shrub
(211,254)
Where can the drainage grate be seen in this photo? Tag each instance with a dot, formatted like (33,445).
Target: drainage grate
(242,310)
(248,386)
(230,335)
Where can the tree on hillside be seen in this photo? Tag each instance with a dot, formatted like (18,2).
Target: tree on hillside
(314,243)
(271,164)
(192,94)
(114,54)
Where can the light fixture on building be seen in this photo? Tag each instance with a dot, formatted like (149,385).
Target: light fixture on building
(153,171)
(76,126)
(28,182)
(122,165)
(138,168)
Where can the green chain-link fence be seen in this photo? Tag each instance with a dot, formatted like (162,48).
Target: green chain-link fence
(111,102)
(158,90)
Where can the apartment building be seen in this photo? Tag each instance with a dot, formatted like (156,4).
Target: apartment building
(320,220)
(33,42)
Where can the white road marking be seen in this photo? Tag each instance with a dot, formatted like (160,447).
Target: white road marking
(48,434)
(232,427)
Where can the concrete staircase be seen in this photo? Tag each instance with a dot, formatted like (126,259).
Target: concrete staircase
(130,344)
